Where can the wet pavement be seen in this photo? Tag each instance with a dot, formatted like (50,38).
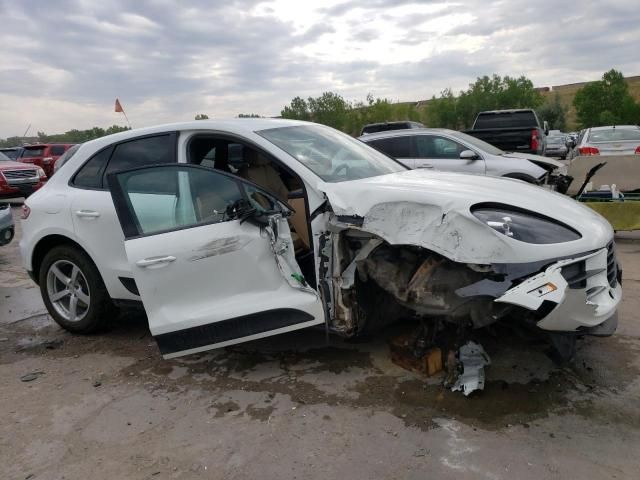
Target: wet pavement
(107,406)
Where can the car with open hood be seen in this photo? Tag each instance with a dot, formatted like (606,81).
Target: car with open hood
(306,226)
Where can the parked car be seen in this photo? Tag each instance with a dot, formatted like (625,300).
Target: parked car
(386,126)
(557,145)
(12,152)
(62,159)
(611,140)
(316,228)
(44,155)
(18,179)
(448,150)
(511,130)
(6,224)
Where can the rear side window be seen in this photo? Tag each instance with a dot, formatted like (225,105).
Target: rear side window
(57,150)
(398,147)
(141,152)
(90,174)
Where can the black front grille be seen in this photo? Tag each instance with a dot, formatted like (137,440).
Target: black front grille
(19,174)
(612,265)
(576,275)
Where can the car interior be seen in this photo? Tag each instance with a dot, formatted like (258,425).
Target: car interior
(261,169)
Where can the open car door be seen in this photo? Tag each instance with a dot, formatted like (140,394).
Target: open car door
(212,258)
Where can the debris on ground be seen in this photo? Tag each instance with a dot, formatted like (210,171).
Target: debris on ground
(473,359)
(407,354)
(29,377)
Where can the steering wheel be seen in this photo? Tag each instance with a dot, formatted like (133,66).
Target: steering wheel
(339,168)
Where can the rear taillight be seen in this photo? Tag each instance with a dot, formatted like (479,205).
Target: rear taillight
(535,142)
(589,151)
(638,150)
(26,211)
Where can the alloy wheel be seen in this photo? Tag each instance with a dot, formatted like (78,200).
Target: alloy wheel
(68,290)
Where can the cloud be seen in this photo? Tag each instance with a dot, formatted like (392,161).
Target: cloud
(64,61)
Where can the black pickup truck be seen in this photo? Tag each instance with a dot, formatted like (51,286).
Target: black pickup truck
(511,130)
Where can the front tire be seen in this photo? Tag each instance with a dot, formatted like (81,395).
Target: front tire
(73,290)
(6,236)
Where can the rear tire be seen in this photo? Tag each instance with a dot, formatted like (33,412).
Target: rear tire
(73,291)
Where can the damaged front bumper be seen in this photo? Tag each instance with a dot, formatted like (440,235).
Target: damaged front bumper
(578,295)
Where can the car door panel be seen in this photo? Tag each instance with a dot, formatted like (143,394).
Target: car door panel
(211,280)
(442,153)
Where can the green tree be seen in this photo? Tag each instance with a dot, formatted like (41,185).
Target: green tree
(606,102)
(202,116)
(554,113)
(486,93)
(296,110)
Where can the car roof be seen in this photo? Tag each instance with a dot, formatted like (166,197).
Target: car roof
(399,133)
(512,110)
(230,124)
(621,127)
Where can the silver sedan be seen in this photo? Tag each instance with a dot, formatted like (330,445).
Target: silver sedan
(448,150)
(611,140)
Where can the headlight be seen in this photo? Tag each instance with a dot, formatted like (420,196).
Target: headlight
(41,173)
(525,226)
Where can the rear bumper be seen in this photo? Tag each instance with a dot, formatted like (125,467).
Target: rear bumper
(578,295)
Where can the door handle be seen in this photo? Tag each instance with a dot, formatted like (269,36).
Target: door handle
(425,165)
(87,214)
(155,261)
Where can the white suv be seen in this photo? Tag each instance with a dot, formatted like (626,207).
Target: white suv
(228,231)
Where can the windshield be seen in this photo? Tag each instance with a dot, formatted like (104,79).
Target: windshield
(476,142)
(4,158)
(332,155)
(614,135)
(556,140)
(11,154)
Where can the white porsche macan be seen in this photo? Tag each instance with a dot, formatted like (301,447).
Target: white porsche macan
(228,231)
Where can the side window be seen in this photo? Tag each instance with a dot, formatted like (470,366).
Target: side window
(429,146)
(173,197)
(90,174)
(141,152)
(397,147)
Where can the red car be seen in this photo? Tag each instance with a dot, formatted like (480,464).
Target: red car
(18,179)
(44,155)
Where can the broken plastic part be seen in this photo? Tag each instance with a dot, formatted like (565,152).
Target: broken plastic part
(473,359)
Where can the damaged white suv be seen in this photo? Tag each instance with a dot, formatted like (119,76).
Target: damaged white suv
(229,231)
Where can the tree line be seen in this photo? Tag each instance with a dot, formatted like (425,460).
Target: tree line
(604,102)
(70,136)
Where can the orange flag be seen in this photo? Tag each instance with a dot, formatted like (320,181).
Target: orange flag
(118,106)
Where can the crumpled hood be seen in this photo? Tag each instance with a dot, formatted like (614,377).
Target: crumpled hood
(432,210)
(540,160)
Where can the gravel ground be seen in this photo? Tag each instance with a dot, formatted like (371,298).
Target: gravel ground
(107,406)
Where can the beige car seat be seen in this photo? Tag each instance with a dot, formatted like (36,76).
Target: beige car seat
(260,171)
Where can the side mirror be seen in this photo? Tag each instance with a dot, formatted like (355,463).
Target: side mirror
(546,127)
(468,155)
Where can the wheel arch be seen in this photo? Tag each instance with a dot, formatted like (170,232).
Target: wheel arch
(46,243)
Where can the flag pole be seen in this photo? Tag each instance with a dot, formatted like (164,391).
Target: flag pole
(127,119)
(119,108)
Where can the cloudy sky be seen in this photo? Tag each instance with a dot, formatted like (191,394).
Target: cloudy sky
(65,61)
